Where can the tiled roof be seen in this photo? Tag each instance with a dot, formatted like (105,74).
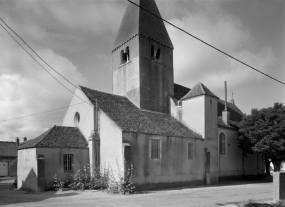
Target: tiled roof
(8,149)
(132,119)
(233,124)
(137,21)
(180,91)
(198,90)
(57,137)
(235,113)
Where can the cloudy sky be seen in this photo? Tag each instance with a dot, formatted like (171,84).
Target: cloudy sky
(76,38)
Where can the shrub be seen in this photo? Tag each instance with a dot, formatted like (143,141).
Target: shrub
(104,180)
(57,183)
(121,183)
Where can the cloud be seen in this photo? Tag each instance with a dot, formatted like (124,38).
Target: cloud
(196,62)
(25,88)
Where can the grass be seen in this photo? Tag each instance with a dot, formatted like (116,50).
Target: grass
(253,204)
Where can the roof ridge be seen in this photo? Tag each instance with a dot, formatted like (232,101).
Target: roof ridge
(102,92)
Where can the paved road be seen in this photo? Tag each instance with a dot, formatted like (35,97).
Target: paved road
(222,195)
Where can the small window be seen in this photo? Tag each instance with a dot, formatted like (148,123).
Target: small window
(190,151)
(122,57)
(127,54)
(76,119)
(67,162)
(222,144)
(157,55)
(155,149)
(152,52)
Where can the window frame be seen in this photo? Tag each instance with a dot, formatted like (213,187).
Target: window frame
(225,144)
(159,153)
(193,149)
(68,162)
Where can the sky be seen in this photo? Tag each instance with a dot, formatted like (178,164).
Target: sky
(76,38)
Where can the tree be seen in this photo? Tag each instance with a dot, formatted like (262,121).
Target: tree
(263,132)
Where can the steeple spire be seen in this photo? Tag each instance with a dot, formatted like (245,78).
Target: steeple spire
(138,21)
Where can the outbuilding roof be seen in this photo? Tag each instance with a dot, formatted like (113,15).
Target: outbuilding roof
(199,90)
(57,137)
(136,21)
(132,119)
(8,149)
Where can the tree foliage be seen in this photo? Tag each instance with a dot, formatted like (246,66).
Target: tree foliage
(263,132)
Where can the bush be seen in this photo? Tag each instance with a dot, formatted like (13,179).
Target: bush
(59,184)
(122,183)
(103,180)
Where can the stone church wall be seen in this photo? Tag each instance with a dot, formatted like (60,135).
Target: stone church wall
(173,168)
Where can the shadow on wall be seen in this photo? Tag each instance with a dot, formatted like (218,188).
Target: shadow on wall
(30,183)
(9,197)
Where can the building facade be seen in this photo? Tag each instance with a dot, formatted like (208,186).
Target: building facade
(170,134)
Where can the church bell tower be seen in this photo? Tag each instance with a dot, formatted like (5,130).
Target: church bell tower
(143,59)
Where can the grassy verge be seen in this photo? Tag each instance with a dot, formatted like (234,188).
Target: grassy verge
(253,204)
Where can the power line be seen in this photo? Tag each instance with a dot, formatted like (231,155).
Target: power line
(206,43)
(41,59)
(21,117)
(36,53)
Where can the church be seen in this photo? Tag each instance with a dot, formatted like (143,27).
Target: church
(171,135)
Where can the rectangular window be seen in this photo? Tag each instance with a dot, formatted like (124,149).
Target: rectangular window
(67,162)
(155,149)
(190,151)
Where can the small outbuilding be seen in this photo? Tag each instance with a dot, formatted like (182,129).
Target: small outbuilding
(57,151)
(8,159)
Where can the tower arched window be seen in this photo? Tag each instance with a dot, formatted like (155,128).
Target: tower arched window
(152,52)
(127,54)
(122,57)
(157,54)
(222,143)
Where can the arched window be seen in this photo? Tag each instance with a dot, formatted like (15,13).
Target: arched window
(127,54)
(152,52)
(157,55)
(222,143)
(122,57)
(76,119)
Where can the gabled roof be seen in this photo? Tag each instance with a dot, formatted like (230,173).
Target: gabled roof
(8,149)
(180,91)
(199,90)
(138,21)
(57,137)
(235,113)
(132,119)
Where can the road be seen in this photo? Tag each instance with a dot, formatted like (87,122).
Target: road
(211,196)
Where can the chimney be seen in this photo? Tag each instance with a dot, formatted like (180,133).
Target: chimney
(25,139)
(226,113)
(17,141)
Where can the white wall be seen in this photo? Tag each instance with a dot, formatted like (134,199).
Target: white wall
(111,152)
(193,114)
(173,109)
(86,111)
(27,169)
